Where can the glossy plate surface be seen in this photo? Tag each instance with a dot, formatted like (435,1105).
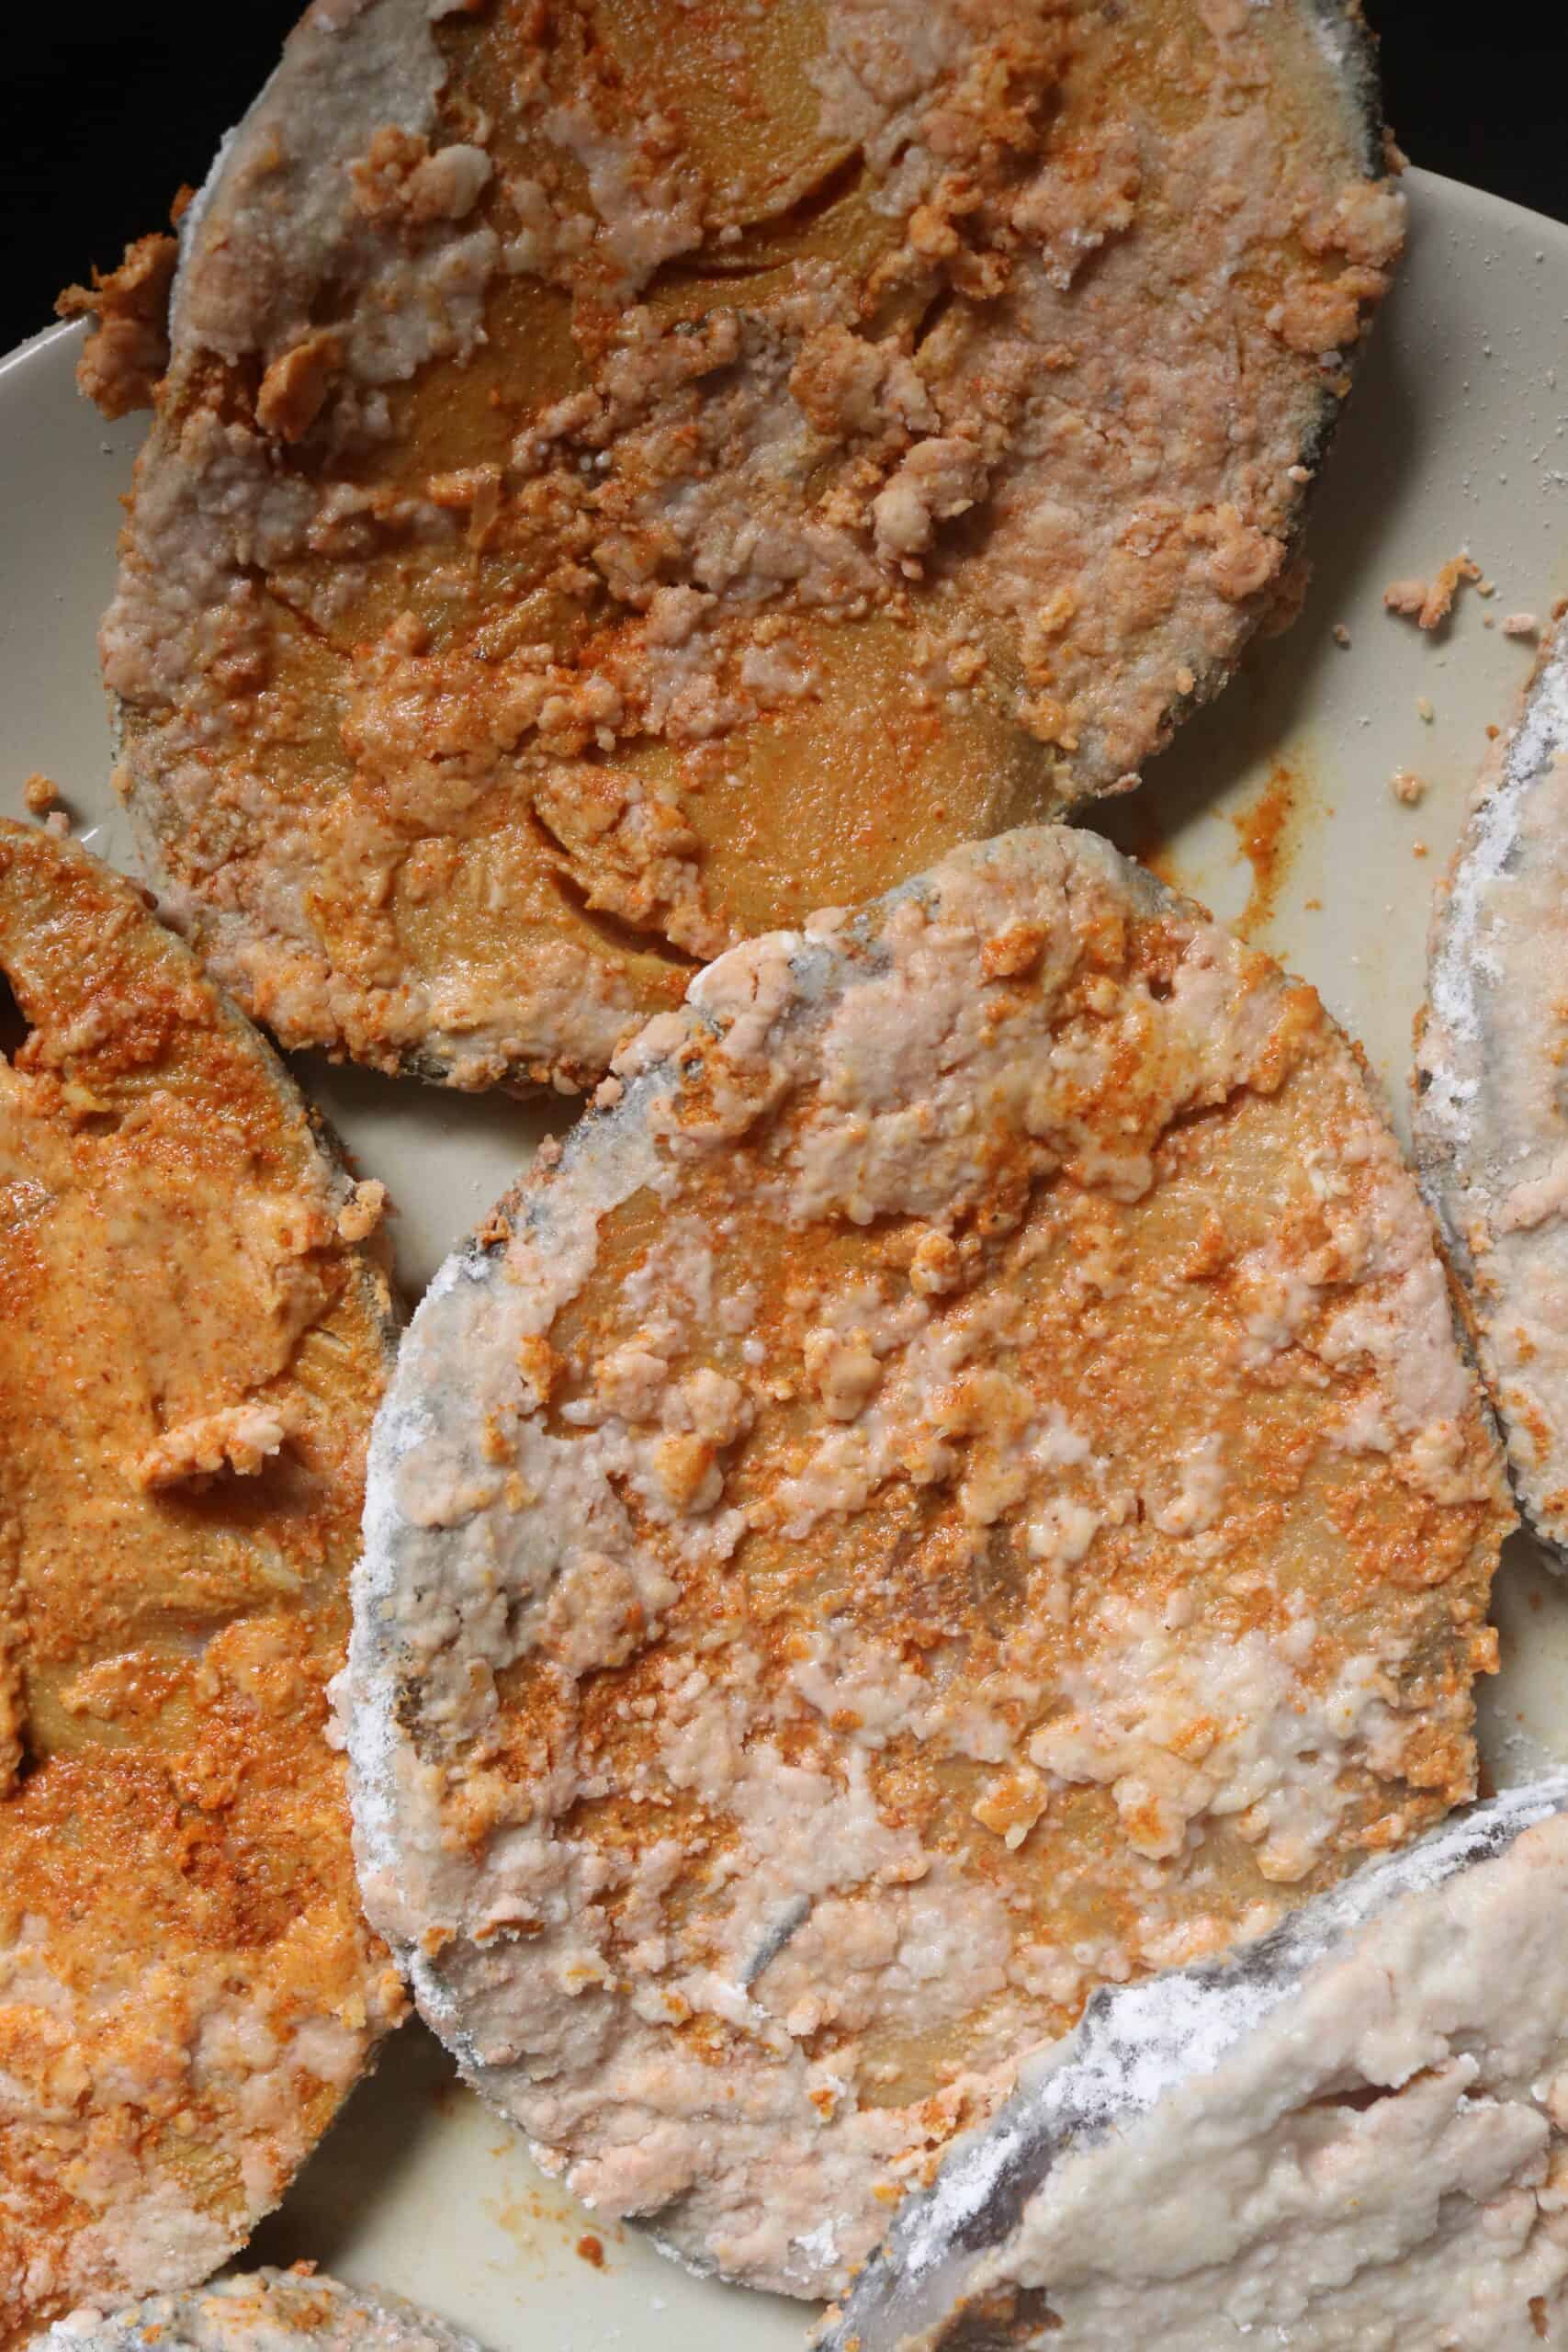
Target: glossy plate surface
(1275,808)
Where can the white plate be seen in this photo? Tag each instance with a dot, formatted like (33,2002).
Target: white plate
(1457,436)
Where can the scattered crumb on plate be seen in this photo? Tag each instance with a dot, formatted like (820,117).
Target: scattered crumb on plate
(1429,602)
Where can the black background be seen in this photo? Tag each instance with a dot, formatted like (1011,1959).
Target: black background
(98,129)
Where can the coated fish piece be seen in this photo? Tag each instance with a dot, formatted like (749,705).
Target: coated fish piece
(627,475)
(1348,2138)
(957,1486)
(192,1344)
(261,2310)
(1491,1129)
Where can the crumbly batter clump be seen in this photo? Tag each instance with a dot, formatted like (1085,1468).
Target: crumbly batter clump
(957,1486)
